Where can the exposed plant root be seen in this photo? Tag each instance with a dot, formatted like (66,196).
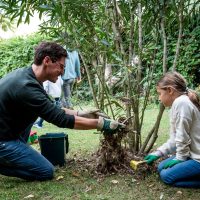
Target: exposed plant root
(113,157)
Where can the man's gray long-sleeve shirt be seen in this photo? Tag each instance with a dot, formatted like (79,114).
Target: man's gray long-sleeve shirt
(22,100)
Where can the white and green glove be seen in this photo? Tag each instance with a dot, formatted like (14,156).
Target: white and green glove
(91,114)
(171,163)
(153,157)
(108,126)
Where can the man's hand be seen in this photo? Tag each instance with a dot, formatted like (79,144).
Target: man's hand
(108,126)
(92,114)
(171,163)
(151,158)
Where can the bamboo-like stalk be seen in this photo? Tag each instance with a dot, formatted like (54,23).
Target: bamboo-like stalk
(147,94)
(139,42)
(129,108)
(162,24)
(131,43)
(105,89)
(117,27)
(152,132)
(180,16)
(156,127)
(139,72)
(101,77)
(90,81)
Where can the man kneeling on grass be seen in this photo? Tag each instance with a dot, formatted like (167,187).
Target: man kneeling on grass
(23,100)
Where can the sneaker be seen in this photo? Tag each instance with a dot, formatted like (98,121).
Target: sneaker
(37,126)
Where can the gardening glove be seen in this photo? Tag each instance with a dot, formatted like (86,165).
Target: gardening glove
(33,138)
(92,114)
(151,158)
(108,126)
(171,163)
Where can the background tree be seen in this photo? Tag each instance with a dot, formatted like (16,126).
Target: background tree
(138,40)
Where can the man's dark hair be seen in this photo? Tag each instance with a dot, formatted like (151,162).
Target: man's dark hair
(51,49)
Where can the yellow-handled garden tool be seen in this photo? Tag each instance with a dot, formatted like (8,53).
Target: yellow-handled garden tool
(134,163)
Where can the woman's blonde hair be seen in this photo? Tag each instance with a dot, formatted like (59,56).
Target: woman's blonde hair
(178,82)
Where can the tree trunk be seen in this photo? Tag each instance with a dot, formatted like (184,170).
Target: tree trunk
(117,30)
(139,75)
(164,45)
(180,16)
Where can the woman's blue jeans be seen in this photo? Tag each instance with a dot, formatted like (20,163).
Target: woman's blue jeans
(185,174)
(18,159)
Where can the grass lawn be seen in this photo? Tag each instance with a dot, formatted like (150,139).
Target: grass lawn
(75,183)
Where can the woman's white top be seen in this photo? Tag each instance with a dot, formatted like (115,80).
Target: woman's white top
(184,130)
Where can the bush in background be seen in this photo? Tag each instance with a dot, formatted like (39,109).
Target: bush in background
(17,52)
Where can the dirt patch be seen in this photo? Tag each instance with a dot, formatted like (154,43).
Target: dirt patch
(113,157)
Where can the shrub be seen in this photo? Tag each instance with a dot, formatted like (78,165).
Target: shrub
(17,52)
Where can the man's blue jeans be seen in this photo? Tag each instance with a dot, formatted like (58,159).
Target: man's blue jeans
(18,159)
(185,174)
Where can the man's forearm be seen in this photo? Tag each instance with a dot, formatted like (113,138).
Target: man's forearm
(85,123)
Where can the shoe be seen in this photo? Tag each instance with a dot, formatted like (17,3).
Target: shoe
(37,126)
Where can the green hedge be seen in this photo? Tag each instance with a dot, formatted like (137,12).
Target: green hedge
(17,52)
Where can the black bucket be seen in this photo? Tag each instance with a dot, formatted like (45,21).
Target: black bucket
(54,147)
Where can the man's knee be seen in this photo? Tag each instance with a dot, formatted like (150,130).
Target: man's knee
(46,174)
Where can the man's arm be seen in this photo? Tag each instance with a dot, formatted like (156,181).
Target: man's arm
(70,112)
(82,123)
(100,123)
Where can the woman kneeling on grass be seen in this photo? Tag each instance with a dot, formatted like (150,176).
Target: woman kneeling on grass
(183,169)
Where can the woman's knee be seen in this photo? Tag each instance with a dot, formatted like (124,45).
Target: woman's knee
(162,163)
(166,177)
(160,167)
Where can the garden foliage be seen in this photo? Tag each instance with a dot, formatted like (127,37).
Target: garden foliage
(17,52)
(140,40)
